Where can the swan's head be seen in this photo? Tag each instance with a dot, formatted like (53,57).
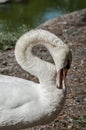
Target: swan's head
(62,59)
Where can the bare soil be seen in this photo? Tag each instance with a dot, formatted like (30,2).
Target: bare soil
(71,28)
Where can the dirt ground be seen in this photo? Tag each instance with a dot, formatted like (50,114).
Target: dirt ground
(71,28)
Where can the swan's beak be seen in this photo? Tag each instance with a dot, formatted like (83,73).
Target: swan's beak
(61,78)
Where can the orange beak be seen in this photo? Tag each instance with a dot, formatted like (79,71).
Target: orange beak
(61,78)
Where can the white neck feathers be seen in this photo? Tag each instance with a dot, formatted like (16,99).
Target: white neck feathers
(43,70)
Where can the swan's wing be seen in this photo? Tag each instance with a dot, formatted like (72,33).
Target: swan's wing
(16,91)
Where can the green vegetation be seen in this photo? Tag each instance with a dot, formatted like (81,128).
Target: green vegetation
(8,39)
(81,120)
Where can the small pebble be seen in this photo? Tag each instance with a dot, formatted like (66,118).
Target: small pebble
(69,126)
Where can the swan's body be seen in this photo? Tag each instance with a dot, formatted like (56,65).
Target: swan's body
(24,103)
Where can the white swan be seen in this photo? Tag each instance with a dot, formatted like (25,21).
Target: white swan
(24,103)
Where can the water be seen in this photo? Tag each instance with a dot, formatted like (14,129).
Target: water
(35,12)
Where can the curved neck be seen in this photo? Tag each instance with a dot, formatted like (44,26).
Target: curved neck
(43,70)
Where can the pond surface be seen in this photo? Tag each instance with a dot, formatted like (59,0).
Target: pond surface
(35,12)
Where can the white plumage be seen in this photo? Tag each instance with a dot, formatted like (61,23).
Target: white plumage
(25,103)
